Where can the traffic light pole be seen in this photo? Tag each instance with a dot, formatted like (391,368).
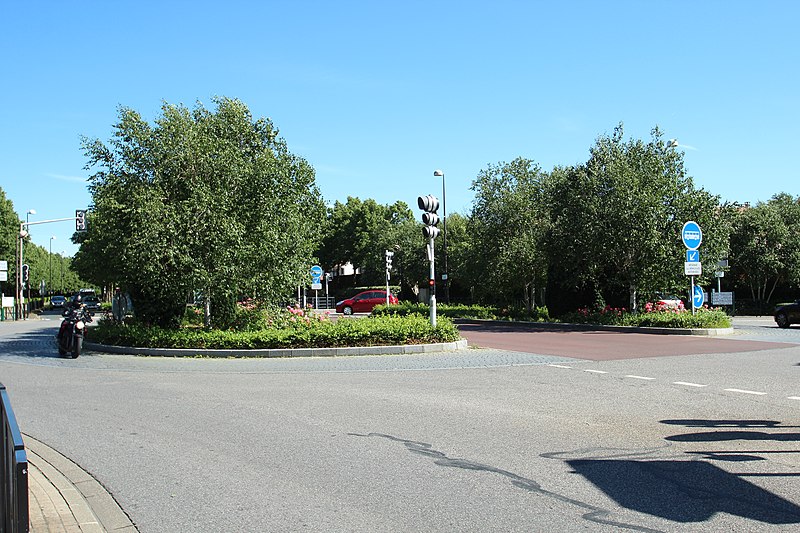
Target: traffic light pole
(432,279)
(23,227)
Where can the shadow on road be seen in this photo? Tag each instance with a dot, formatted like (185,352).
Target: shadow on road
(40,344)
(684,491)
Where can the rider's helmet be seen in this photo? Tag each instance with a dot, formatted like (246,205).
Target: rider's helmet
(77,300)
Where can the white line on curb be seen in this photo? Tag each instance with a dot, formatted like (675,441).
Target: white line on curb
(747,392)
(639,377)
(686,383)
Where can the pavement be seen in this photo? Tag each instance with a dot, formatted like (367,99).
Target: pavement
(62,497)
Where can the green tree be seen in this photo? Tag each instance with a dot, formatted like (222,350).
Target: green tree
(360,231)
(9,232)
(765,245)
(201,200)
(506,260)
(616,221)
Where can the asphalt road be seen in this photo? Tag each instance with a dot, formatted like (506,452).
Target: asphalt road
(481,440)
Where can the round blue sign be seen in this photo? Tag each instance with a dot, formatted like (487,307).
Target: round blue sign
(698,297)
(316,273)
(691,235)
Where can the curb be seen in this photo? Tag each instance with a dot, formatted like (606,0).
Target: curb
(65,497)
(293,352)
(708,332)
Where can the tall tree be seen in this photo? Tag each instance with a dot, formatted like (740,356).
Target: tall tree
(765,245)
(507,224)
(617,219)
(202,200)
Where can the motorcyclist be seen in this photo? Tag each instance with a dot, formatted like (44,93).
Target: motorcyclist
(75,308)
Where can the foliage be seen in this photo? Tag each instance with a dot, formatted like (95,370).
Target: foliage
(652,317)
(765,245)
(616,221)
(477,312)
(360,231)
(507,225)
(199,201)
(300,333)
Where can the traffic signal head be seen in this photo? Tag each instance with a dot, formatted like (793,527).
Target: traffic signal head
(80,220)
(26,273)
(429,204)
(389,256)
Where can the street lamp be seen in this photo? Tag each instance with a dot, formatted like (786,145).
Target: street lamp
(50,261)
(445,277)
(61,260)
(22,235)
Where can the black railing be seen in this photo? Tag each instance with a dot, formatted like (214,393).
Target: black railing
(14,516)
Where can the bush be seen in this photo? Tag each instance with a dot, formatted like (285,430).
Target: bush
(660,318)
(475,312)
(298,330)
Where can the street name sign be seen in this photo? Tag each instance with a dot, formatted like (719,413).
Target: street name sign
(693,268)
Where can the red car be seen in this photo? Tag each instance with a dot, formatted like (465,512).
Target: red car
(364,302)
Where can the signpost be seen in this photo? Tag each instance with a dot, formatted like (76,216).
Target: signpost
(316,284)
(692,237)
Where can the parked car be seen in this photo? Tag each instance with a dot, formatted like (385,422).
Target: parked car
(364,302)
(92,303)
(787,314)
(57,301)
(669,301)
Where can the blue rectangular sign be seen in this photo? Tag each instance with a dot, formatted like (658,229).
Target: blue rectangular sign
(693,256)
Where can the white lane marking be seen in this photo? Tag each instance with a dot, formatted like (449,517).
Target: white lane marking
(595,371)
(687,384)
(559,366)
(794,397)
(747,392)
(639,377)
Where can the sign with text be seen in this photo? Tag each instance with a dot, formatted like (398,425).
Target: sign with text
(721,298)
(693,268)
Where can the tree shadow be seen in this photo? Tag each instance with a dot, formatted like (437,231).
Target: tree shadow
(40,344)
(684,491)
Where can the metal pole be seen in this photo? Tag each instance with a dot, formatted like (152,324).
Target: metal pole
(444,236)
(432,287)
(691,295)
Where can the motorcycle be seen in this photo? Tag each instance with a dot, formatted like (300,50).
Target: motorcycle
(72,331)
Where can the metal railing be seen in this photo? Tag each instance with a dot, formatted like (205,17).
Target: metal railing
(14,516)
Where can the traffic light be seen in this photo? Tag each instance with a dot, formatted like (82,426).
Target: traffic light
(389,256)
(429,204)
(80,220)
(26,273)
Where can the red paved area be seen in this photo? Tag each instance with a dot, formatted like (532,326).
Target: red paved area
(600,345)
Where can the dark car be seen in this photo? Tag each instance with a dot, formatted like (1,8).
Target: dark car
(92,303)
(364,302)
(57,301)
(787,314)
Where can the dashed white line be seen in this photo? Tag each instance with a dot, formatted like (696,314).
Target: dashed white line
(794,397)
(747,392)
(559,366)
(687,384)
(595,371)
(639,377)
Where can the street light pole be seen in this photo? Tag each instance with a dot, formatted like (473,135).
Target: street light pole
(24,310)
(50,261)
(446,278)
(61,260)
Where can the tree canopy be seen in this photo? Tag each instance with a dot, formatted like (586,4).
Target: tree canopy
(209,201)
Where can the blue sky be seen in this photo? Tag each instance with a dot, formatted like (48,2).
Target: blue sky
(377,95)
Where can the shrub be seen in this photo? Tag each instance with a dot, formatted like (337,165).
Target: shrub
(651,317)
(475,312)
(299,331)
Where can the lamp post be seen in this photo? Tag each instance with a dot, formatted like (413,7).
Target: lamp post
(446,276)
(61,260)
(50,261)
(22,236)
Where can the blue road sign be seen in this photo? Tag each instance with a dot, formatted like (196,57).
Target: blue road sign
(691,235)
(698,297)
(692,256)
(316,273)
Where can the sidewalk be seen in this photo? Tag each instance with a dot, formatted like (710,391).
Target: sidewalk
(65,498)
